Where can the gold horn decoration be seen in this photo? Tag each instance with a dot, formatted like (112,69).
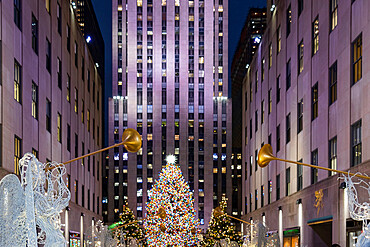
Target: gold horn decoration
(162,228)
(131,140)
(218,212)
(265,155)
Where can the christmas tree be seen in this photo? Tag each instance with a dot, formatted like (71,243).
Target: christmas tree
(128,229)
(220,228)
(171,217)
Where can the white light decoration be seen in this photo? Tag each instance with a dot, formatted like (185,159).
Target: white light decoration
(35,201)
(171,159)
(258,235)
(359,210)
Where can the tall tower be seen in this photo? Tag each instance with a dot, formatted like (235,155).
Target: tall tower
(169,75)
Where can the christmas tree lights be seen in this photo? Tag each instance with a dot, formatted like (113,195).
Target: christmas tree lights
(220,228)
(129,228)
(171,217)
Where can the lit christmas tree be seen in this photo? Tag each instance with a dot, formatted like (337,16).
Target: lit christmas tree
(171,217)
(127,230)
(220,228)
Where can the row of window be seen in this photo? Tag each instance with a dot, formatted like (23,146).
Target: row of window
(356,158)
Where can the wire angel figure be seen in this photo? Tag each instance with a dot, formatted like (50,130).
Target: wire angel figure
(30,208)
(257,236)
(100,235)
(359,210)
(226,243)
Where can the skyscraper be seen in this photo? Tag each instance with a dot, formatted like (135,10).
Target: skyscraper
(170,83)
(51,102)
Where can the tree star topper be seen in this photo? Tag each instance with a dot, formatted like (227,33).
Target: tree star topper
(171,159)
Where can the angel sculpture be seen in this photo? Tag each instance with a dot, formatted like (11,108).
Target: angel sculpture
(258,236)
(226,243)
(100,235)
(359,211)
(34,202)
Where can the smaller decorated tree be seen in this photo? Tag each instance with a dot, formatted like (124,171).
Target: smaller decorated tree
(220,227)
(128,229)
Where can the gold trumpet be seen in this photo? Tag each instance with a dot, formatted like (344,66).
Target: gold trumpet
(131,140)
(218,212)
(265,155)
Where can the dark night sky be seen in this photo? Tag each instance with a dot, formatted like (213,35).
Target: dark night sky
(238,10)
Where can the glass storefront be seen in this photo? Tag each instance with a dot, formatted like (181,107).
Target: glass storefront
(291,237)
(74,239)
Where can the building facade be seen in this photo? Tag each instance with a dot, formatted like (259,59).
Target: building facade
(249,40)
(305,93)
(51,101)
(170,83)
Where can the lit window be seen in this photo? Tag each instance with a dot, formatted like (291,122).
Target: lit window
(17,153)
(17,81)
(333,14)
(34,100)
(357,59)
(300,57)
(59,127)
(315,36)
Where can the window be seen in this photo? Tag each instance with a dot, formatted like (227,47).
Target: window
(300,57)
(250,129)
(35,100)
(48,55)
(59,127)
(256,88)
(314,171)
(245,101)
(35,153)
(315,99)
(333,83)
(18,13)
(269,192)
(88,120)
(76,191)
(299,176)
(262,195)
(357,59)
(315,36)
(47,5)
(255,199)
(250,202)
(35,34)
(333,14)
(287,128)
(76,145)
(278,89)
(300,116)
(59,17)
(263,70)
(288,75)
(59,72)
(262,111)
(256,120)
(278,138)
(333,155)
(48,115)
(83,111)
(270,101)
(287,182)
(278,39)
(68,38)
(278,187)
(68,138)
(270,55)
(17,82)
(288,20)
(251,92)
(76,100)
(300,7)
(356,143)
(17,153)
(76,54)
(68,88)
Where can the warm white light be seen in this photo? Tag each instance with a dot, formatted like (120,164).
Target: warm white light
(273,7)
(171,159)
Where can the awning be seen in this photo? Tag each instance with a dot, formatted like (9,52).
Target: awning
(320,220)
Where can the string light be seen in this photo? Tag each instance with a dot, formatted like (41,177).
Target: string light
(179,227)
